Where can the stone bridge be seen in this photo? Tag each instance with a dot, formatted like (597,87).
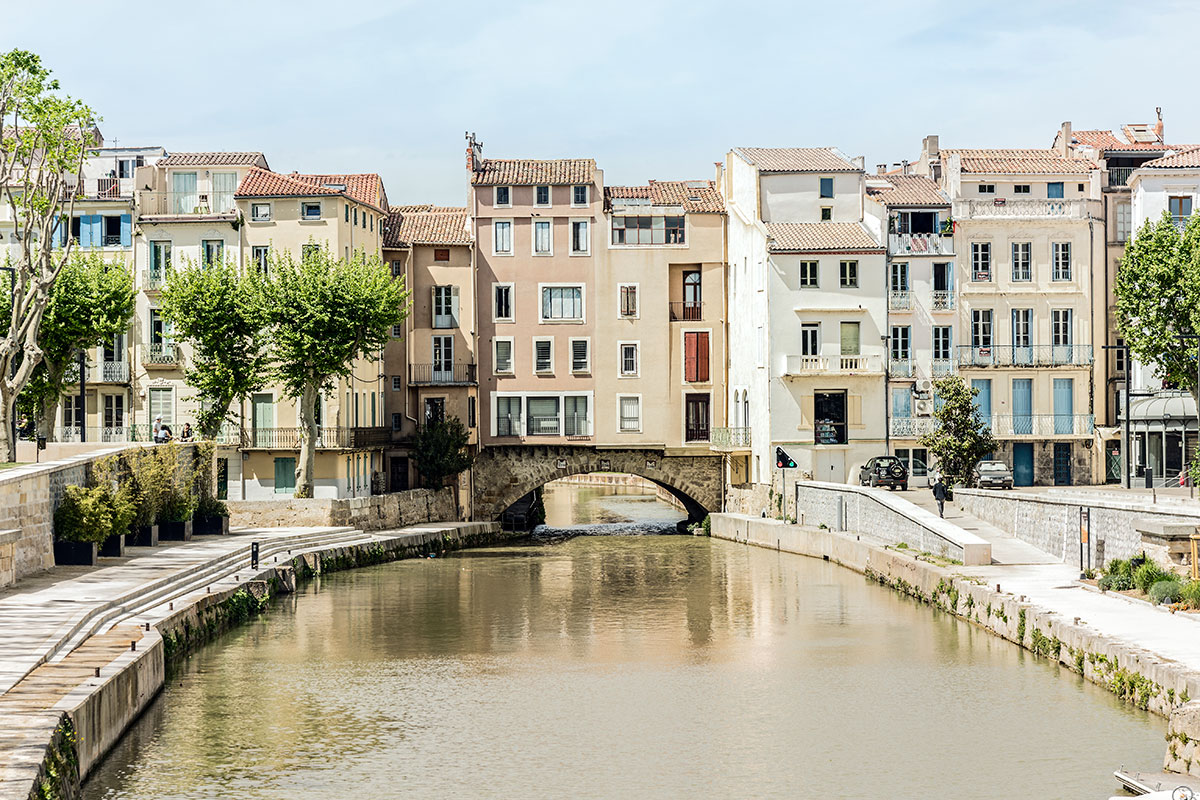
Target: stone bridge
(505,474)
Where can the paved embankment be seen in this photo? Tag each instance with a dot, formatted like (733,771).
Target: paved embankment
(1109,645)
(89,650)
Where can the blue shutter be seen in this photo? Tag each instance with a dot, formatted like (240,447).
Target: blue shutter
(56,232)
(86,239)
(1064,405)
(126,230)
(902,402)
(1022,405)
(983,400)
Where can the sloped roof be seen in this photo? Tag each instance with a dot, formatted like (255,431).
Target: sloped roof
(533,172)
(264,183)
(1019,161)
(214,160)
(905,190)
(696,197)
(426,224)
(797,159)
(1183,159)
(1110,140)
(790,237)
(365,187)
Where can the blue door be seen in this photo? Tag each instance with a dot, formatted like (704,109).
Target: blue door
(983,400)
(1064,405)
(1023,464)
(1022,406)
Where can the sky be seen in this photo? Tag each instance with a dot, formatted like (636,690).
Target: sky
(650,89)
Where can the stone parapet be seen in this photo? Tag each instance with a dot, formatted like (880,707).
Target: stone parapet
(374,513)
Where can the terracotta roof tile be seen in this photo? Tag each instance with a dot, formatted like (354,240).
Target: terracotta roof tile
(788,237)
(1019,161)
(426,224)
(214,159)
(365,189)
(1183,159)
(532,172)
(696,197)
(905,190)
(797,159)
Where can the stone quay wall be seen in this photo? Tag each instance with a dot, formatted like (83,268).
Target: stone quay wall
(374,513)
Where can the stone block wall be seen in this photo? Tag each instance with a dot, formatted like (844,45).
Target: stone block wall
(749,498)
(375,513)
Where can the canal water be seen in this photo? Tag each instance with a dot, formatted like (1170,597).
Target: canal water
(620,666)
(605,510)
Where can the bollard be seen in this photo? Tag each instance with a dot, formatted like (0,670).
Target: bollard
(171,606)
(1077,620)
(207,589)
(97,672)
(997,588)
(147,627)
(133,645)
(254,555)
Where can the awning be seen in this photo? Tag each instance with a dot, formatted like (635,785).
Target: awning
(1162,411)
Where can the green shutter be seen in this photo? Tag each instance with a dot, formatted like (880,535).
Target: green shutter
(285,475)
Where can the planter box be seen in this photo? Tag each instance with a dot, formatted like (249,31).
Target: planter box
(175,531)
(210,526)
(75,553)
(113,546)
(143,536)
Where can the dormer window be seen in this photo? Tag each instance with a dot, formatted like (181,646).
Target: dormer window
(503,196)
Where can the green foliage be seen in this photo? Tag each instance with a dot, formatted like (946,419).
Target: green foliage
(1165,592)
(221,311)
(209,506)
(961,437)
(1021,625)
(91,514)
(177,505)
(1119,575)
(1158,297)
(1149,574)
(1189,593)
(440,451)
(150,475)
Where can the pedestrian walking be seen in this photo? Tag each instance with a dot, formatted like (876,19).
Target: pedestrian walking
(939,494)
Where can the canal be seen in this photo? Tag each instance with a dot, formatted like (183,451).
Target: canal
(620,666)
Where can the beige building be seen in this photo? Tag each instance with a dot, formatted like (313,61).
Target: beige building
(430,364)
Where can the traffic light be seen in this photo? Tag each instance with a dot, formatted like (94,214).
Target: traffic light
(783,460)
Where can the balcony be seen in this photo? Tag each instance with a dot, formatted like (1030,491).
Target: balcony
(1007,208)
(912,427)
(832,365)
(941,367)
(942,300)
(899,300)
(1119,176)
(696,433)
(106,435)
(730,439)
(1042,425)
(99,189)
(509,425)
(328,438)
(102,372)
(153,279)
(187,204)
(900,368)
(1043,355)
(687,310)
(920,244)
(160,355)
(441,375)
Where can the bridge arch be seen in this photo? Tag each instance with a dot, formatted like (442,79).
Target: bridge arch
(505,474)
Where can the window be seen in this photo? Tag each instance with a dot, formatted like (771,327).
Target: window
(503,356)
(543,355)
(628,296)
(543,416)
(579,196)
(631,413)
(397,331)
(693,297)
(580,240)
(541,196)
(397,269)
(311,211)
(502,237)
(695,356)
(309,251)
(397,422)
(508,416)
(562,303)
(901,342)
(1022,332)
(435,410)
(471,412)
(72,413)
(987,188)
(503,196)
(647,230)
(260,212)
(981,328)
(1060,327)
(212,251)
(397,383)
(1119,353)
(981,261)
(160,261)
(1054,190)
(1021,261)
(1124,221)
(575,416)
(259,256)
(849,274)
(850,340)
(1021,188)
(829,417)
(917,222)
(899,277)
(826,213)
(943,338)
(810,339)
(502,309)
(162,404)
(541,237)
(441,254)
(809,274)
(347,212)
(629,359)
(580,356)
(445,306)
(125,167)
(1061,252)
(826,187)
(696,425)
(1180,208)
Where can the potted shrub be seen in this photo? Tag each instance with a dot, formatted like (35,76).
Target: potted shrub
(212,517)
(122,517)
(175,516)
(147,482)
(82,521)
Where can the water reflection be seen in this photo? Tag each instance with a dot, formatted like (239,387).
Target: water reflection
(577,509)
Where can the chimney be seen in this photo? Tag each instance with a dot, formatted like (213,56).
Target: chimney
(881,169)
(474,152)
(1066,138)
(904,167)
(1158,126)
(929,147)
(859,161)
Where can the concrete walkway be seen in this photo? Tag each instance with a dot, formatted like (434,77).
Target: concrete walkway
(1005,549)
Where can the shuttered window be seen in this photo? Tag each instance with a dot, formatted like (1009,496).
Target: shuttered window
(543,355)
(695,356)
(631,414)
(850,339)
(162,404)
(580,362)
(629,300)
(504,362)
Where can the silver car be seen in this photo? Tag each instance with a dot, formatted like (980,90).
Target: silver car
(993,475)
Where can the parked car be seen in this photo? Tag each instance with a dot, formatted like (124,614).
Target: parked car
(884,471)
(993,475)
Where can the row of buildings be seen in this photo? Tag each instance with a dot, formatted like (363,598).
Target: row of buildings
(791,299)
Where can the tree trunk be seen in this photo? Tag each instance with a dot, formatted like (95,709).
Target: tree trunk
(8,409)
(308,442)
(47,413)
